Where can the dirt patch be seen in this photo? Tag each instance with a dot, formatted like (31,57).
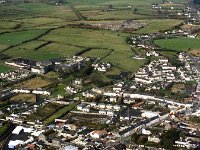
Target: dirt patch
(195,52)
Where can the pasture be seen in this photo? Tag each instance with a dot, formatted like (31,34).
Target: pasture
(157,25)
(179,44)
(121,55)
(4,68)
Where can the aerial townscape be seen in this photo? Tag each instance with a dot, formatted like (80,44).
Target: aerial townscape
(100,75)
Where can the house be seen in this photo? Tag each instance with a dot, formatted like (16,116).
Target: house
(101,105)
(148,114)
(70,127)
(78,82)
(86,109)
(109,106)
(93,104)
(81,106)
(70,147)
(113,99)
(98,134)
(22,63)
(153,139)
(110,113)
(103,112)
(117,107)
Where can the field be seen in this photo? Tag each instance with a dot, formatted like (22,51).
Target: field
(24,22)
(14,38)
(177,87)
(44,112)
(60,113)
(156,25)
(179,44)
(4,68)
(30,98)
(34,83)
(121,55)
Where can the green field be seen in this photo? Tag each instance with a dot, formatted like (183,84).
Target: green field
(4,68)
(179,44)
(60,113)
(156,25)
(121,56)
(14,38)
(25,21)
(44,112)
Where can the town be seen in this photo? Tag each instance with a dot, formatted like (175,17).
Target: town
(92,103)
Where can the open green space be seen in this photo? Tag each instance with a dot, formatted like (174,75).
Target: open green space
(113,15)
(156,25)
(4,128)
(50,51)
(97,53)
(121,55)
(37,8)
(59,90)
(60,113)
(4,68)
(14,38)
(44,112)
(179,44)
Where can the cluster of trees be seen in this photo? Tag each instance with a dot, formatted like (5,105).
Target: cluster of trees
(168,138)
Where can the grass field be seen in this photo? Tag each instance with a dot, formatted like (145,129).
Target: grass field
(98,53)
(60,113)
(4,128)
(156,25)
(26,21)
(121,56)
(18,37)
(4,68)
(113,15)
(29,10)
(35,83)
(44,112)
(179,44)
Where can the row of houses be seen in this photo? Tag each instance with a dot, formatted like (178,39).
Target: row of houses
(14,75)
(28,91)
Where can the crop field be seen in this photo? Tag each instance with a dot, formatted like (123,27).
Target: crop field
(179,44)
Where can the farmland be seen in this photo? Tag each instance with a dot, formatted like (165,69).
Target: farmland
(156,25)
(35,18)
(179,44)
